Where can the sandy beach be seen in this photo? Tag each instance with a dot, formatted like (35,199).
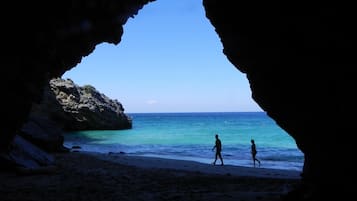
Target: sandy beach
(171,164)
(81,176)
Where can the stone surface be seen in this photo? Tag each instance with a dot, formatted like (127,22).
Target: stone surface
(44,133)
(298,59)
(85,108)
(43,40)
(26,155)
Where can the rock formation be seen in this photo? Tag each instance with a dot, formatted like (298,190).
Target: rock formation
(43,40)
(298,59)
(76,107)
(296,55)
(64,106)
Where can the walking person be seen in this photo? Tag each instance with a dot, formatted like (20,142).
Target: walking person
(254,152)
(218,147)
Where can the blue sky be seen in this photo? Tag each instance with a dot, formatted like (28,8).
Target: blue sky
(169,60)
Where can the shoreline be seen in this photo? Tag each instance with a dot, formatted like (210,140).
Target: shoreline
(84,176)
(275,159)
(193,166)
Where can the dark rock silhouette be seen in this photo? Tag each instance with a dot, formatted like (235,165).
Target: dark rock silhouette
(298,59)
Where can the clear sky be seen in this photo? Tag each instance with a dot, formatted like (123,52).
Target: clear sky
(169,60)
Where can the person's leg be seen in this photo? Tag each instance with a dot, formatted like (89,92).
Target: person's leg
(258,161)
(215,159)
(220,157)
(255,159)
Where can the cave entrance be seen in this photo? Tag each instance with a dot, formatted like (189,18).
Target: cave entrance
(170,62)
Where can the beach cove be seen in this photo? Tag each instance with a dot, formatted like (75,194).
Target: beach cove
(191,136)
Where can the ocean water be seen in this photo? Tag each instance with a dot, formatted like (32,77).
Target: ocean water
(191,136)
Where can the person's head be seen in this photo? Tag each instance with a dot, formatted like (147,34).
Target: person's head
(252,141)
(216,136)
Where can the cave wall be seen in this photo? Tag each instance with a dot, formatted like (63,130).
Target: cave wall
(42,40)
(297,57)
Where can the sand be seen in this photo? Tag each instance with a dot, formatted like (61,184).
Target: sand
(81,176)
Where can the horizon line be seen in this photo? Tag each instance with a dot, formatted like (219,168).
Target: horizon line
(195,112)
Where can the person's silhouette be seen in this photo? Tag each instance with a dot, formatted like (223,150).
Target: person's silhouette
(218,147)
(254,152)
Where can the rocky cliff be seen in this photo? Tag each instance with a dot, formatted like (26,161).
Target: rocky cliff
(76,107)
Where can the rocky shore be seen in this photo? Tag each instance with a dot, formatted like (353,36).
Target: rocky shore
(64,106)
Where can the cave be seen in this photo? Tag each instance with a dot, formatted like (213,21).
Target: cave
(297,57)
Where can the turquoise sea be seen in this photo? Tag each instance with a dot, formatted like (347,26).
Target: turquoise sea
(191,136)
